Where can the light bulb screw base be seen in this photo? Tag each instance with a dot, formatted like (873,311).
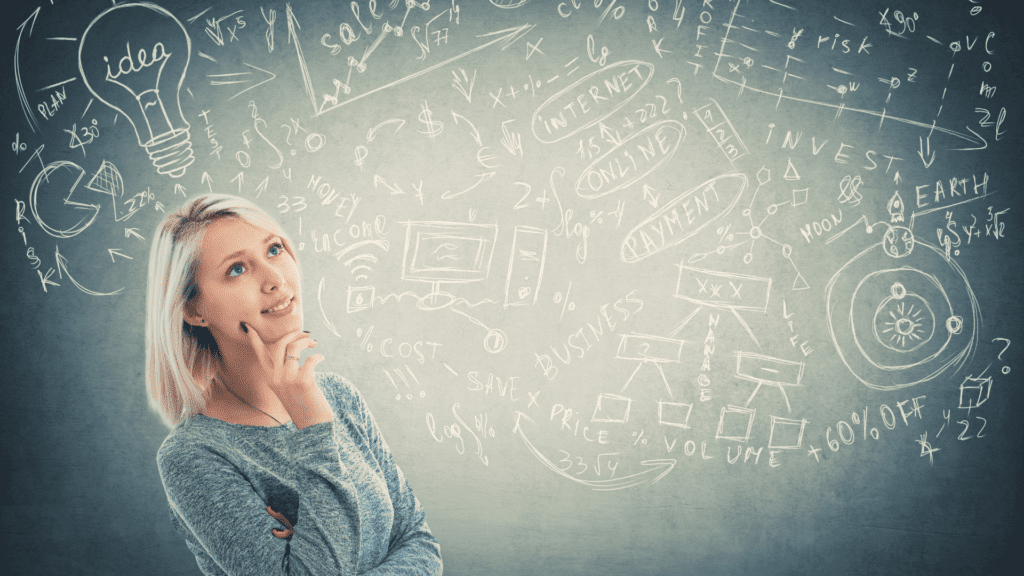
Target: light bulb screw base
(171,153)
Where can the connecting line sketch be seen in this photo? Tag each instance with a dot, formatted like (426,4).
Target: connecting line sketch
(767,370)
(893,321)
(655,350)
(756,231)
(722,291)
(741,63)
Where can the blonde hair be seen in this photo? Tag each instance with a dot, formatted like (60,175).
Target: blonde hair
(180,357)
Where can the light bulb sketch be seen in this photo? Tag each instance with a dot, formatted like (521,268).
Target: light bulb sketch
(142,80)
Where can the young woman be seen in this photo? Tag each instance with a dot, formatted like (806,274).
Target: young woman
(270,468)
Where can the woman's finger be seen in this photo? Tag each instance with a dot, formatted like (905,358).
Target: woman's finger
(306,371)
(294,348)
(281,533)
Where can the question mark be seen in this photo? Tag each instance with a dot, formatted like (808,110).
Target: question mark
(1006,369)
(679,88)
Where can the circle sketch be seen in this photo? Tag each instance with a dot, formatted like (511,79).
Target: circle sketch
(900,314)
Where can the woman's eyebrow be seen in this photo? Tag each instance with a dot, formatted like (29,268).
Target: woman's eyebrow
(238,253)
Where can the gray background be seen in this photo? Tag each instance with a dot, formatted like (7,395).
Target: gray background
(81,493)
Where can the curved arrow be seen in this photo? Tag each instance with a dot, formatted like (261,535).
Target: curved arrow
(657,469)
(62,270)
(26,108)
(476,133)
(372,133)
(481,178)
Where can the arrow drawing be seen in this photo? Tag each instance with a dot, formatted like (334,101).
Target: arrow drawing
(476,133)
(925,148)
(238,78)
(29,115)
(373,131)
(481,178)
(62,270)
(114,251)
(656,469)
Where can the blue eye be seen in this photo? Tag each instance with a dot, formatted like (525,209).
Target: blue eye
(236,269)
(275,249)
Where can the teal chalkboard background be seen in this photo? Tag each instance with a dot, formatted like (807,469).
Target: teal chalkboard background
(630,287)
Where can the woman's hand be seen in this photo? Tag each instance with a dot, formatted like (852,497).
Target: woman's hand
(279,362)
(293,384)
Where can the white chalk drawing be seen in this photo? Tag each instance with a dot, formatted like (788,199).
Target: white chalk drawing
(143,85)
(723,291)
(893,321)
(735,423)
(675,414)
(786,433)
(767,370)
(526,261)
(451,253)
(612,408)
(646,348)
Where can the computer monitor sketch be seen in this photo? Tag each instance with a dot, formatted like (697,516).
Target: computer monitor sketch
(448,252)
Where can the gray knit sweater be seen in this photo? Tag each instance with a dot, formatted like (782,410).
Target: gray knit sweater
(336,482)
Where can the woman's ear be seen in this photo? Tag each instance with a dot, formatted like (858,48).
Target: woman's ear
(192,315)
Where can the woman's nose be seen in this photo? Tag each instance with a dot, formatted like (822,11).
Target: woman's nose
(272,279)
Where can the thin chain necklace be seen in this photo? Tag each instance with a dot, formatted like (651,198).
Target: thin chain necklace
(250,405)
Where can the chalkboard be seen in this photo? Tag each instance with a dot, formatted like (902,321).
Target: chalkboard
(631,287)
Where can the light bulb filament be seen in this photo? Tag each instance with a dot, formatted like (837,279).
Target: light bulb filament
(126,65)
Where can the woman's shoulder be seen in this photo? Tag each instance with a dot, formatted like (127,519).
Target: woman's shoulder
(187,442)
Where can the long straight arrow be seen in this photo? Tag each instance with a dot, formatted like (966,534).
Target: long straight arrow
(657,469)
(507,37)
(292,35)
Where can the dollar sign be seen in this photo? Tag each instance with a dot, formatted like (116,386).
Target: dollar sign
(434,127)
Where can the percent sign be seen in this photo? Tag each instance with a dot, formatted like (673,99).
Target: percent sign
(857,420)
(17,145)
(639,437)
(565,302)
(364,344)
(480,422)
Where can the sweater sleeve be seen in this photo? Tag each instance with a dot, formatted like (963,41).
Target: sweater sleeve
(412,549)
(217,505)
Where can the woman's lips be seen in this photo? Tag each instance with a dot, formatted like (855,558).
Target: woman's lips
(287,309)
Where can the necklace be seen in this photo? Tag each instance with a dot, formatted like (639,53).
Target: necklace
(249,405)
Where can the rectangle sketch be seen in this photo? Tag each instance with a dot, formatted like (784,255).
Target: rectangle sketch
(723,290)
(790,432)
(648,348)
(448,252)
(526,266)
(674,414)
(740,422)
(612,408)
(768,370)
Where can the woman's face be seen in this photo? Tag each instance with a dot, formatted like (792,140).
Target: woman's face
(245,275)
